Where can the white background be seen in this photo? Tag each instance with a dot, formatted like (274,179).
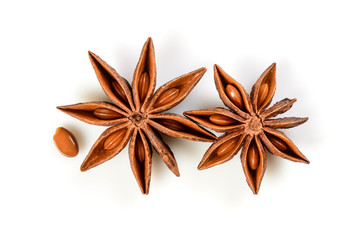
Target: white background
(44,64)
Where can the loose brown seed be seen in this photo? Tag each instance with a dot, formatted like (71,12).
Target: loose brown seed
(278,143)
(234,95)
(173,125)
(139,149)
(167,97)
(104,113)
(227,146)
(253,156)
(114,139)
(263,93)
(66,142)
(221,120)
(119,92)
(143,86)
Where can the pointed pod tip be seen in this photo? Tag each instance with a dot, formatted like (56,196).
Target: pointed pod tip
(83,168)
(201,166)
(303,159)
(271,69)
(193,76)
(200,71)
(62,108)
(255,190)
(212,137)
(149,42)
(203,69)
(272,66)
(91,54)
(175,171)
(144,191)
(187,113)
(93,57)
(86,166)
(218,70)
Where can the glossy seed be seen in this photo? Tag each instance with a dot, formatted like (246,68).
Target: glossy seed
(119,92)
(139,149)
(263,93)
(172,124)
(65,142)
(253,157)
(222,120)
(104,113)
(226,147)
(277,142)
(114,139)
(143,86)
(234,95)
(168,96)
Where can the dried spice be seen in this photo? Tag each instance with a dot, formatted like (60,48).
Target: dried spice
(65,142)
(248,124)
(135,115)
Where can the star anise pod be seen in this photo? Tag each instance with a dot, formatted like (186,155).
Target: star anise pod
(248,124)
(135,113)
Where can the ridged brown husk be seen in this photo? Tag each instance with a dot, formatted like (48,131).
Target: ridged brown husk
(135,115)
(248,124)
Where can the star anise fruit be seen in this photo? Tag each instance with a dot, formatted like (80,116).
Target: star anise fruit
(248,124)
(135,113)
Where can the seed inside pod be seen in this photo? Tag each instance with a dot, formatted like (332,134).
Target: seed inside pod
(234,95)
(168,96)
(66,142)
(227,146)
(114,139)
(173,125)
(104,113)
(277,142)
(221,120)
(143,86)
(263,93)
(139,149)
(119,92)
(253,156)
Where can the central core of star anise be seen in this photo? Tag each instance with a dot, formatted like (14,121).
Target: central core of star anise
(254,124)
(137,118)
